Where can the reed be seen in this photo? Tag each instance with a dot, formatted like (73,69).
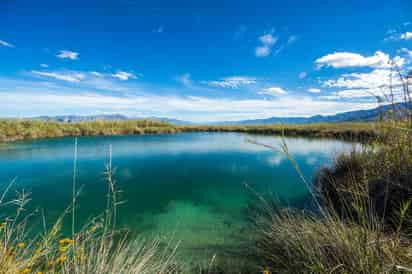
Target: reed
(14,130)
(98,247)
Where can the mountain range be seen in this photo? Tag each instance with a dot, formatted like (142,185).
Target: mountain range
(350,116)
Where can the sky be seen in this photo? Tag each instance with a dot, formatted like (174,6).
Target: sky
(201,61)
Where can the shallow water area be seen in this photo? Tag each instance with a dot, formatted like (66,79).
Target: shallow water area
(188,188)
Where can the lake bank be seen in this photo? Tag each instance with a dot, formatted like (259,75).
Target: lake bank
(18,130)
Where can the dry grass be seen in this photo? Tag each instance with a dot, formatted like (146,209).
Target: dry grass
(362,223)
(13,130)
(99,247)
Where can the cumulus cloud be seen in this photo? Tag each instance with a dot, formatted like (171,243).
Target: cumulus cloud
(73,77)
(67,54)
(406,36)
(273,91)
(124,76)
(371,84)
(262,51)
(267,41)
(374,79)
(314,90)
(54,100)
(233,82)
(349,59)
(6,44)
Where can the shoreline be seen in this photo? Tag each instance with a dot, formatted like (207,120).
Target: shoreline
(11,131)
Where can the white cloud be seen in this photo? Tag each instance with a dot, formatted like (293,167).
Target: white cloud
(273,91)
(374,79)
(262,51)
(356,93)
(185,79)
(314,90)
(6,44)
(58,100)
(97,74)
(349,59)
(124,76)
(73,77)
(267,42)
(406,36)
(67,54)
(268,39)
(302,75)
(232,82)
(44,65)
(360,85)
(406,51)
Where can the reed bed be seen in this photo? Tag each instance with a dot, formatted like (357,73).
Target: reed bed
(14,130)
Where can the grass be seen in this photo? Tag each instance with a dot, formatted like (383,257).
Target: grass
(14,130)
(363,222)
(98,247)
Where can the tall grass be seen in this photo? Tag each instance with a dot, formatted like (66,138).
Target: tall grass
(98,247)
(363,222)
(14,130)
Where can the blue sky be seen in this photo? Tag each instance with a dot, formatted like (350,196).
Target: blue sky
(199,60)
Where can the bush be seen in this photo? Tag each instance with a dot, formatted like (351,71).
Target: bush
(377,179)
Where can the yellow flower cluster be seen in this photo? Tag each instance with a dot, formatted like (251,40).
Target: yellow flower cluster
(67,241)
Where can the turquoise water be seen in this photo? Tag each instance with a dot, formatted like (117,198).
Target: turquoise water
(186,187)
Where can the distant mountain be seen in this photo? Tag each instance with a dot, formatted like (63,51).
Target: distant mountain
(350,116)
(106,117)
(78,118)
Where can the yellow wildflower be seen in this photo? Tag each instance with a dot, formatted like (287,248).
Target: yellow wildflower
(26,271)
(21,245)
(66,241)
(39,272)
(266,272)
(62,259)
(63,249)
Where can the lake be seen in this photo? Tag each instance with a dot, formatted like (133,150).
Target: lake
(188,187)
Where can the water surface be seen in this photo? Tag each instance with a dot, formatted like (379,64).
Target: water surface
(189,187)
